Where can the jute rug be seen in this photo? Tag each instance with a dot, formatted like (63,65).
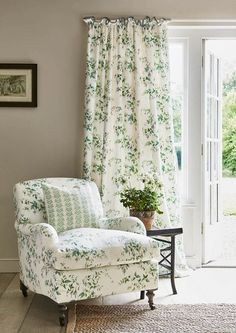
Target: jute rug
(183,318)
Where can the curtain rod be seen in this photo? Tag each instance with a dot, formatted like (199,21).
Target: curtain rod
(111,20)
(185,20)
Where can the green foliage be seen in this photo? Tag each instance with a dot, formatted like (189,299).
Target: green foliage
(229,108)
(146,198)
(140,199)
(229,212)
(229,125)
(176,106)
(229,148)
(229,85)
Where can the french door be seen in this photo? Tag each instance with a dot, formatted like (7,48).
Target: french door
(212,154)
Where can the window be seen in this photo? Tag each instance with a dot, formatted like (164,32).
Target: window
(178,90)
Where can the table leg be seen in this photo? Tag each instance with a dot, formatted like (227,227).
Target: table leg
(142,294)
(173,265)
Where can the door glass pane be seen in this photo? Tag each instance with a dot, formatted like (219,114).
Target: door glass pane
(210,153)
(215,161)
(208,76)
(211,73)
(210,204)
(218,78)
(208,117)
(208,160)
(214,78)
(217,198)
(213,203)
(215,119)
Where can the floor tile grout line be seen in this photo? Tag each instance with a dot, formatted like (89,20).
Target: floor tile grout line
(14,275)
(25,314)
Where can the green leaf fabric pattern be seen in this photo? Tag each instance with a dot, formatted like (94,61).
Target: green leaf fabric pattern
(92,247)
(72,208)
(84,262)
(128,121)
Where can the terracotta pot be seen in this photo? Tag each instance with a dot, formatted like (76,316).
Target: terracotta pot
(146,216)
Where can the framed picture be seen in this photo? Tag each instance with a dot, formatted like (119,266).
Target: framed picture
(18,85)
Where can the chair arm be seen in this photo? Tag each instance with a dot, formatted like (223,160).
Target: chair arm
(43,231)
(131,224)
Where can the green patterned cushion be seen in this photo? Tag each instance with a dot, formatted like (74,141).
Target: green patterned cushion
(72,207)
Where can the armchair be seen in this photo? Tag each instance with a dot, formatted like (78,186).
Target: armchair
(111,256)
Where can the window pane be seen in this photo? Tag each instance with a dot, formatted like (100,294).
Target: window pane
(176,54)
(176,58)
(177,108)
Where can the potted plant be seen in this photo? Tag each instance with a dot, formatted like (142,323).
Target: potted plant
(143,201)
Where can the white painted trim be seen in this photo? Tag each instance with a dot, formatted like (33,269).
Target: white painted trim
(193,262)
(202,24)
(9,265)
(185,142)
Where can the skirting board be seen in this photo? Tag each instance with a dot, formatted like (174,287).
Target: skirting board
(193,263)
(9,265)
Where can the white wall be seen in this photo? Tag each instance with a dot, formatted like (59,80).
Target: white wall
(47,141)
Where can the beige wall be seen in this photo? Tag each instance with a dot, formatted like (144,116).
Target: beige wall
(176,9)
(47,141)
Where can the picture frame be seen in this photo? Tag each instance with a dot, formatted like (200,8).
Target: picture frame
(18,85)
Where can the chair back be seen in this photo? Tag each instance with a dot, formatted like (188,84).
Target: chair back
(29,197)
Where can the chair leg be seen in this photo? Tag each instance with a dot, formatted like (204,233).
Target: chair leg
(150,294)
(63,314)
(24,289)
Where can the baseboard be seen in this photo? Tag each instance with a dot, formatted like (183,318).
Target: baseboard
(192,262)
(9,265)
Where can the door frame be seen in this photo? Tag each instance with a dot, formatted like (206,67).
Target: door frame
(225,34)
(195,32)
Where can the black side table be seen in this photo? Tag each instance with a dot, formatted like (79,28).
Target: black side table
(167,253)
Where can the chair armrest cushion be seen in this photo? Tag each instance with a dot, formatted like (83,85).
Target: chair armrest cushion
(131,224)
(43,231)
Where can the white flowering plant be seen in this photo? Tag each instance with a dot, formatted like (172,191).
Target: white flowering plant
(145,198)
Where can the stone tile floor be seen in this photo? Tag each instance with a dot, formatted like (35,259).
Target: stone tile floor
(228,254)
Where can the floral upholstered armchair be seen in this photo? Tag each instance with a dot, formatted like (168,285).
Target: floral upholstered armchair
(69,252)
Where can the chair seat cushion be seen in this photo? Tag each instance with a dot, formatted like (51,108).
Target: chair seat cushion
(91,247)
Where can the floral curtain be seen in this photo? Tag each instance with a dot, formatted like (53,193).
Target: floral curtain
(128,123)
